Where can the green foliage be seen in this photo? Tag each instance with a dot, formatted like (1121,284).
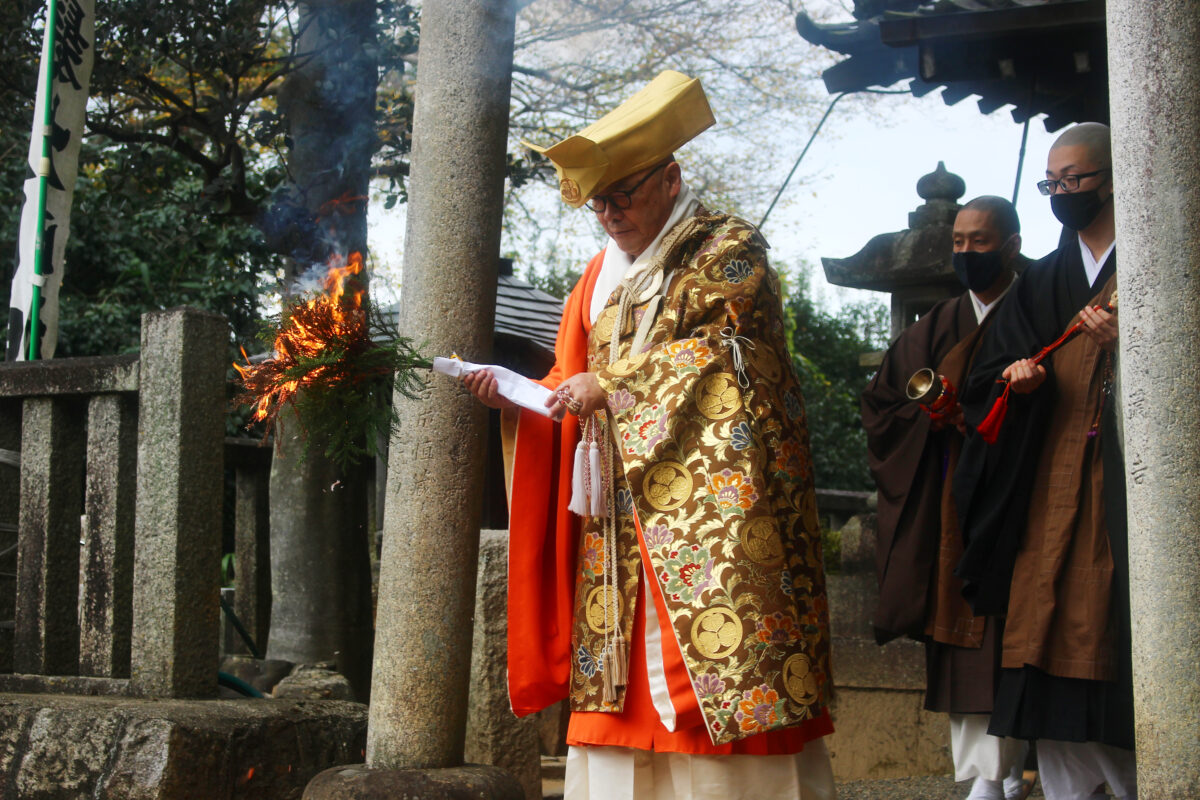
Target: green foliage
(144,237)
(186,152)
(227,564)
(831,551)
(337,367)
(141,239)
(349,419)
(825,349)
(556,280)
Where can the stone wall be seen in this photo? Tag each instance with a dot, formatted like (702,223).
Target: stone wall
(882,729)
(118,529)
(116,466)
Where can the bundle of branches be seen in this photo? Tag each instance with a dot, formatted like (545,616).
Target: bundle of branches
(336,362)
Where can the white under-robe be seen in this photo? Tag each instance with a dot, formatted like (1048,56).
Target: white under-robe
(978,754)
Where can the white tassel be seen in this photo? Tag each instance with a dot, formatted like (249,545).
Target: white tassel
(579,501)
(597,484)
(620,661)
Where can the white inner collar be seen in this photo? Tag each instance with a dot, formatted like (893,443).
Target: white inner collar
(1092,266)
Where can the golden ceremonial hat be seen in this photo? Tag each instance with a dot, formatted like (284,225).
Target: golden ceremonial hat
(666,114)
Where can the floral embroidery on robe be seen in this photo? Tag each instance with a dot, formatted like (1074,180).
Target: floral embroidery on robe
(711,443)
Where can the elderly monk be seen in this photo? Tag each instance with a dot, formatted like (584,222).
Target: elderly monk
(1042,509)
(683,612)
(919,545)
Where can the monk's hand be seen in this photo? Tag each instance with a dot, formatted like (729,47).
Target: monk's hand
(482,383)
(955,420)
(579,394)
(1101,326)
(1024,376)
(960,423)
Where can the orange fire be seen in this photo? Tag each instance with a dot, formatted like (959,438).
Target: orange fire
(326,323)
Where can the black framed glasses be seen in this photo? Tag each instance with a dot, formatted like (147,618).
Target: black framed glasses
(622,199)
(1067,183)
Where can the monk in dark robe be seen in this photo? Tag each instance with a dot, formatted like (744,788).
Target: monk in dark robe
(918,542)
(1042,510)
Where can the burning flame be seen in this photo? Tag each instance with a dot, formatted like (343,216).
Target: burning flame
(338,364)
(307,329)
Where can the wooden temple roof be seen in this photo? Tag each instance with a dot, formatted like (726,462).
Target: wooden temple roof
(527,313)
(1039,56)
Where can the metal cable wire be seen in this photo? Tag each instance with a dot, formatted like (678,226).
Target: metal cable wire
(813,137)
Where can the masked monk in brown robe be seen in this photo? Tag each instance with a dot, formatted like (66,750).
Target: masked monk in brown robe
(1042,509)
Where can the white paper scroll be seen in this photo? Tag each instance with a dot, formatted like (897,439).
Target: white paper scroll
(512,386)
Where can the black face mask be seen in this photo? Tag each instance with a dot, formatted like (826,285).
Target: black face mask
(977,271)
(1077,210)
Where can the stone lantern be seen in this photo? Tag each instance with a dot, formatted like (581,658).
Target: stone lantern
(913,264)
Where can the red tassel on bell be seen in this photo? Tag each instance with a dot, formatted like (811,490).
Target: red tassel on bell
(989,429)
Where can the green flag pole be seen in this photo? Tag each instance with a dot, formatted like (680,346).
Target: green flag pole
(43,174)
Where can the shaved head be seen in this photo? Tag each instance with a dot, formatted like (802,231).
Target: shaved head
(1002,213)
(1092,136)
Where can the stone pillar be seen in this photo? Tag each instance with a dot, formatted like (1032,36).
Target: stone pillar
(52,453)
(106,560)
(252,544)
(1154,68)
(320,570)
(10,462)
(177,551)
(431,525)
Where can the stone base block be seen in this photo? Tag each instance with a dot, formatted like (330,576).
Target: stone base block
(263,674)
(314,682)
(359,782)
(494,736)
(885,733)
(60,747)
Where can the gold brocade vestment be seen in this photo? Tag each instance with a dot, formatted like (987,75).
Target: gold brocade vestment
(710,447)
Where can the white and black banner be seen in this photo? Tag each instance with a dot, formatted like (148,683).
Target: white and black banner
(73,55)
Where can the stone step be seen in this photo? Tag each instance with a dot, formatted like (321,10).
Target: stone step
(554,769)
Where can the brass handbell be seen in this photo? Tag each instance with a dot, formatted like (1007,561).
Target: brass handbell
(923,387)
(932,392)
